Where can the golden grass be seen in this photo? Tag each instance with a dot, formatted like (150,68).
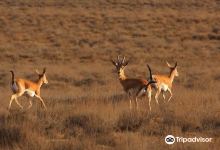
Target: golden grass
(87,108)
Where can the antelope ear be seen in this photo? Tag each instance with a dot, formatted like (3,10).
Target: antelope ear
(113,62)
(168,64)
(175,65)
(44,71)
(37,71)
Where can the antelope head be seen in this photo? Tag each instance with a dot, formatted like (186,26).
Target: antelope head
(120,64)
(42,76)
(173,69)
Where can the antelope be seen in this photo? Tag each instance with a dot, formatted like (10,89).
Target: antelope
(132,86)
(22,86)
(164,82)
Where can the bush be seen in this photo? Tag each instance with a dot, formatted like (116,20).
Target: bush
(129,121)
(106,140)
(9,136)
(90,123)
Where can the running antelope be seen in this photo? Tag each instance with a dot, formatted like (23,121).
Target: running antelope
(132,86)
(22,86)
(164,82)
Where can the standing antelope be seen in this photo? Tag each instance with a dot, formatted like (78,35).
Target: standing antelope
(20,86)
(164,82)
(132,86)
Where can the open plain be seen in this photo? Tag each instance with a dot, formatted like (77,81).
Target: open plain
(87,107)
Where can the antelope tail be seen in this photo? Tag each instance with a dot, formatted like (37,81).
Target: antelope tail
(151,80)
(12,77)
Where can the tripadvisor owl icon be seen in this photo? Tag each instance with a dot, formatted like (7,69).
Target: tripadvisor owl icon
(169,139)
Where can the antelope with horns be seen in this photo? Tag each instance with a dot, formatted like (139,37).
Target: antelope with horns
(164,82)
(132,86)
(22,86)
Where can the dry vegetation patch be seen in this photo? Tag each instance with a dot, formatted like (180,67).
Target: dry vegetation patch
(87,108)
(91,124)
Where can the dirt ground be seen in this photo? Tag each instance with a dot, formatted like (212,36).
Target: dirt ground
(87,107)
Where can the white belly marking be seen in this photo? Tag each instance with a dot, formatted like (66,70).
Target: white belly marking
(164,87)
(30,92)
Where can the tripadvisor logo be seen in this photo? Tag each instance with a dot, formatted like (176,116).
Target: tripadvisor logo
(170,139)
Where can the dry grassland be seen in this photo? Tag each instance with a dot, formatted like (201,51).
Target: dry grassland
(87,108)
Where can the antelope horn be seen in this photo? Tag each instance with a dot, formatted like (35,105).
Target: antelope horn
(118,57)
(123,60)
